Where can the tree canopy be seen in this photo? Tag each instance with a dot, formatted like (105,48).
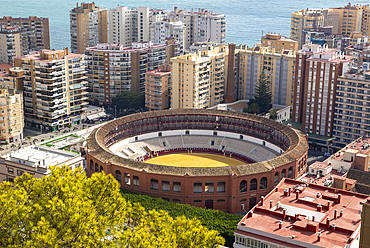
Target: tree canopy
(129,100)
(262,98)
(67,209)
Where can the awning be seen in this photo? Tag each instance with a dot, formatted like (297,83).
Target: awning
(102,114)
(93,117)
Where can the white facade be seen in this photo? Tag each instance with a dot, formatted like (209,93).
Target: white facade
(163,29)
(131,25)
(201,26)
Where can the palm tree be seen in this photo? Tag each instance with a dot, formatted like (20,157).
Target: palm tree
(273,115)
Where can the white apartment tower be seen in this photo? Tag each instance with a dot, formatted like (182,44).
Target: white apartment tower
(166,28)
(201,26)
(132,25)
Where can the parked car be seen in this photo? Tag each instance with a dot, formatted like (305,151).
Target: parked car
(327,154)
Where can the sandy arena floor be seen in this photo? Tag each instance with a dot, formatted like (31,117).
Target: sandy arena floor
(194,160)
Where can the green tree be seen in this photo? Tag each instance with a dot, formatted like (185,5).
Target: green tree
(253,108)
(273,115)
(67,209)
(129,100)
(263,94)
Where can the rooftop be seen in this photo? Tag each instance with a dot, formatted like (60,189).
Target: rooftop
(359,146)
(309,210)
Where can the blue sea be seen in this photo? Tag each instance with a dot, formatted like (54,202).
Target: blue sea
(246,20)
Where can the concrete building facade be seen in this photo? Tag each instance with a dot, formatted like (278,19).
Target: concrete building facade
(278,67)
(132,25)
(89,26)
(199,79)
(11,115)
(54,88)
(12,79)
(168,28)
(200,26)
(113,68)
(16,42)
(315,87)
(279,43)
(40,25)
(157,88)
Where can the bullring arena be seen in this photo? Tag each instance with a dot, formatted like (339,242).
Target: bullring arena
(216,159)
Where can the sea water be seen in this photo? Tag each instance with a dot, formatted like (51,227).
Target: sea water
(246,20)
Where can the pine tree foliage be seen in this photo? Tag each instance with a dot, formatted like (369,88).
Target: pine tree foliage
(67,209)
(263,94)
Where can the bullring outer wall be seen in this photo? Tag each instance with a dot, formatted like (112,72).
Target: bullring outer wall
(293,161)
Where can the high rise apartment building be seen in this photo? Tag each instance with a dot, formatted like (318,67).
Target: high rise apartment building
(113,68)
(305,19)
(132,25)
(199,79)
(278,67)
(11,115)
(352,107)
(315,87)
(89,26)
(54,88)
(40,26)
(15,42)
(157,88)
(162,30)
(202,25)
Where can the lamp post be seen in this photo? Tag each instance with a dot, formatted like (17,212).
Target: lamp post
(115,111)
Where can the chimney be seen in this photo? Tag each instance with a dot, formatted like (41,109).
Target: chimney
(333,227)
(285,192)
(271,201)
(313,218)
(67,51)
(319,207)
(251,214)
(296,217)
(284,213)
(280,224)
(318,236)
(293,236)
(297,194)
(335,213)
(339,198)
(341,213)
(327,222)
(290,190)
(318,195)
(262,200)
(278,205)
(328,205)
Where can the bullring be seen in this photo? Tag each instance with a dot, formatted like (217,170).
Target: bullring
(270,151)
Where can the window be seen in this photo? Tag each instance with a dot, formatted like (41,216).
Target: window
(20,172)
(290,172)
(253,185)
(154,184)
(166,199)
(263,183)
(243,200)
(165,185)
(127,178)
(243,186)
(215,133)
(96,167)
(187,132)
(197,187)
(208,188)
(176,186)
(283,174)
(101,168)
(176,200)
(118,176)
(160,134)
(10,170)
(221,187)
(241,137)
(195,201)
(136,181)
(276,178)
(91,165)
(221,200)
(212,142)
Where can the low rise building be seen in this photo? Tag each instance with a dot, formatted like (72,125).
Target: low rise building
(93,113)
(36,161)
(12,78)
(157,88)
(296,214)
(280,43)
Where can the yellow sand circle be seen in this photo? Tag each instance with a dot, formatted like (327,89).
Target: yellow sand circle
(194,160)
